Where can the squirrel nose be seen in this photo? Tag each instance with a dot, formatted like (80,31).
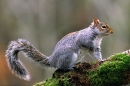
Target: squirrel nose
(111,31)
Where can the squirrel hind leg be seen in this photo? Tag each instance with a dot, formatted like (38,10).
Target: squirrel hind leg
(67,62)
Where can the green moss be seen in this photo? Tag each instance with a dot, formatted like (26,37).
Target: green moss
(111,71)
(39,84)
(55,82)
(59,78)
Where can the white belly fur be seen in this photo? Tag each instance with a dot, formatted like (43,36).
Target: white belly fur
(78,56)
(97,41)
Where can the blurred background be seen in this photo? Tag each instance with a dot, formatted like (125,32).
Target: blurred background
(45,22)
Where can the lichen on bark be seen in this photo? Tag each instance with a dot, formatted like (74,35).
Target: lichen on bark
(114,71)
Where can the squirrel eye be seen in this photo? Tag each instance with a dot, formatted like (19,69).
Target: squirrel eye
(103,26)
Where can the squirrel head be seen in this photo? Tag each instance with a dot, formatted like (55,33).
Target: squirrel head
(101,27)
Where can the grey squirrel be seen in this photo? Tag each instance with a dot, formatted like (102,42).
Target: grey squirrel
(67,52)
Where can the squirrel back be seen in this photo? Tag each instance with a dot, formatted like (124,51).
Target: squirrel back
(67,52)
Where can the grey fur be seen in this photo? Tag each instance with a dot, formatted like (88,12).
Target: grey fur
(68,51)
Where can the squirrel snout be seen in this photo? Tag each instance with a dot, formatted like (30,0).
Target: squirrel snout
(111,31)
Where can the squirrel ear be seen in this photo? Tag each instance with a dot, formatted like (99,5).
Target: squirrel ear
(96,22)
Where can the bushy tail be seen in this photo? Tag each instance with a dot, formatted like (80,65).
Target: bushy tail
(30,51)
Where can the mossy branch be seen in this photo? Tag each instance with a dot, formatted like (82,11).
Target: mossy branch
(114,71)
